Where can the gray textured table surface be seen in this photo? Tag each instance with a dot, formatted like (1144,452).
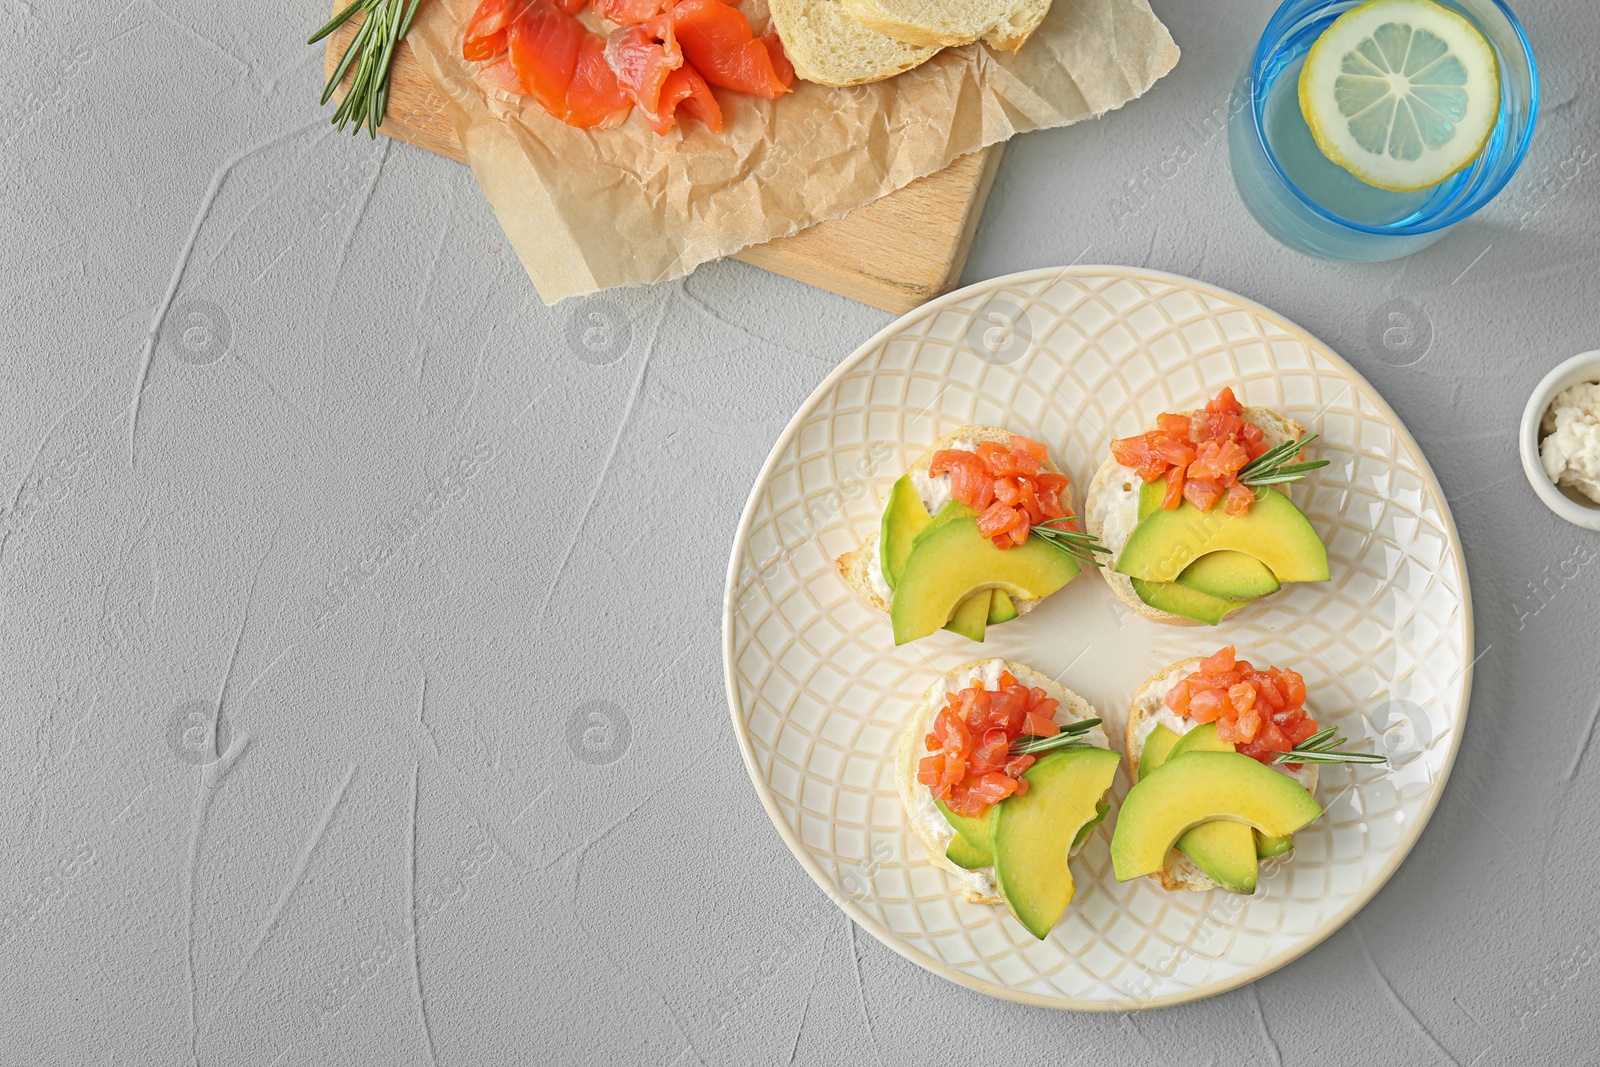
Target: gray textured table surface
(413,535)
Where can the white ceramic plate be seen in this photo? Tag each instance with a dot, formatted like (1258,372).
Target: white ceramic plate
(1073,358)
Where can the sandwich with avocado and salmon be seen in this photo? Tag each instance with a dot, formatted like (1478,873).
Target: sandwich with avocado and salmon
(1197,516)
(976,533)
(1003,773)
(1224,757)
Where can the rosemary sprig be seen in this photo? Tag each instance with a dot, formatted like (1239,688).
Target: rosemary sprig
(1081,545)
(1069,737)
(1323,747)
(1272,468)
(372,50)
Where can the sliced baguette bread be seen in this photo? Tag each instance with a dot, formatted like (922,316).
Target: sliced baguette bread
(1111,509)
(1002,24)
(1180,872)
(922,814)
(856,567)
(829,47)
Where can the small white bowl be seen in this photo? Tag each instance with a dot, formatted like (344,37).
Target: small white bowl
(1567,503)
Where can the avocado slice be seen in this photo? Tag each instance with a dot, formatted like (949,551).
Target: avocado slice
(1100,811)
(966,620)
(903,518)
(1182,597)
(1032,833)
(1267,847)
(952,511)
(1202,738)
(1157,749)
(1225,851)
(1274,531)
(966,855)
(970,847)
(1225,575)
(1001,608)
(1229,575)
(1187,603)
(971,617)
(949,564)
(1201,787)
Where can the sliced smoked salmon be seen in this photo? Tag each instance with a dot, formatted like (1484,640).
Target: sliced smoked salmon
(629,12)
(717,40)
(502,75)
(664,56)
(487,29)
(642,64)
(687,91)
(780,60)
(563,67)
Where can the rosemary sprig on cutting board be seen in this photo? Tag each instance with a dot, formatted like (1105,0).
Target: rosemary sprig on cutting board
(385,24)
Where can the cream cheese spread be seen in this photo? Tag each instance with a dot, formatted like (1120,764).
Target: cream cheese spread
(1571,451)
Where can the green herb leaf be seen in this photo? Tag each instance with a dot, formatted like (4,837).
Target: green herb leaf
(1081,545)
(1323,747)
(334,23)
(1272,467)
(1069,737)
(371,52)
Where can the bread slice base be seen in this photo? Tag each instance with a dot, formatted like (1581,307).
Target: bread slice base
(914,795)
(1112,484)
(828,47)
(1180,874)
(855,567)
(1001,24)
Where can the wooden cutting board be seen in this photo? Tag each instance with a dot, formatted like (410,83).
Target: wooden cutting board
(894,253)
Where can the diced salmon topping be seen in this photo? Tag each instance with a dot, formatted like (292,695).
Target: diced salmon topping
(1200,457)
(1007,486)
(1261,712)
(971,766)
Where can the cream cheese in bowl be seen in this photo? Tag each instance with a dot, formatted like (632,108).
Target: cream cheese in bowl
(1560,440)
(1570,450)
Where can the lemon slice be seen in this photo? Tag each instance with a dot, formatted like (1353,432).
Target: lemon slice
(1401,93)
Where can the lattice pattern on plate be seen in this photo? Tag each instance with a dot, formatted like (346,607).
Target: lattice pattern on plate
(819,692)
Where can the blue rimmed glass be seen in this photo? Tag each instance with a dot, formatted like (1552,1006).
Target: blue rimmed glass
(1317,207)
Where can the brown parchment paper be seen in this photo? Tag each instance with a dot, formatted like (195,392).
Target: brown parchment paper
(589,209)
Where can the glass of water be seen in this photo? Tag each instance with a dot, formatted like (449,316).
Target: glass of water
(1316,206)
